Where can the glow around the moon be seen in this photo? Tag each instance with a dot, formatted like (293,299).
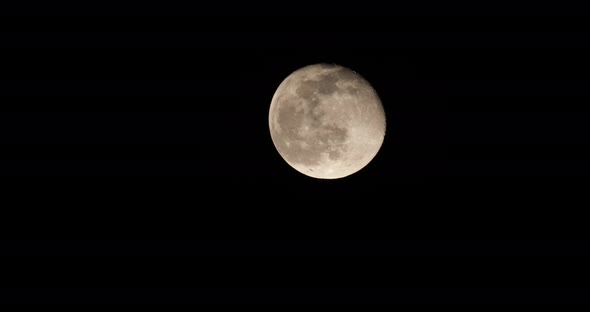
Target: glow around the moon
(326,121)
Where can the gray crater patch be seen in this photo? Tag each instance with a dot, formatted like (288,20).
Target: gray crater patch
(327,84)
(346,75)
(307,89)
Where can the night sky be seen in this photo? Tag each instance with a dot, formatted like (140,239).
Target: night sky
(137,163)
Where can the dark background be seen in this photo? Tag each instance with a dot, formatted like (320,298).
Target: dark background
(137,165)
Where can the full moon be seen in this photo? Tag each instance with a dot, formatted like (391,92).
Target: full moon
(326,121)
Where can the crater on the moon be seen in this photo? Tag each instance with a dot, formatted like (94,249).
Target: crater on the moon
(323,125)
(307,137)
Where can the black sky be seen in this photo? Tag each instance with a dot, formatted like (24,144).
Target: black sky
(136,155)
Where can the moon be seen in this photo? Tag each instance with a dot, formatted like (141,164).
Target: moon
(326,121)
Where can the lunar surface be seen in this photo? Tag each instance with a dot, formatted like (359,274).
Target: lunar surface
(326,121)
